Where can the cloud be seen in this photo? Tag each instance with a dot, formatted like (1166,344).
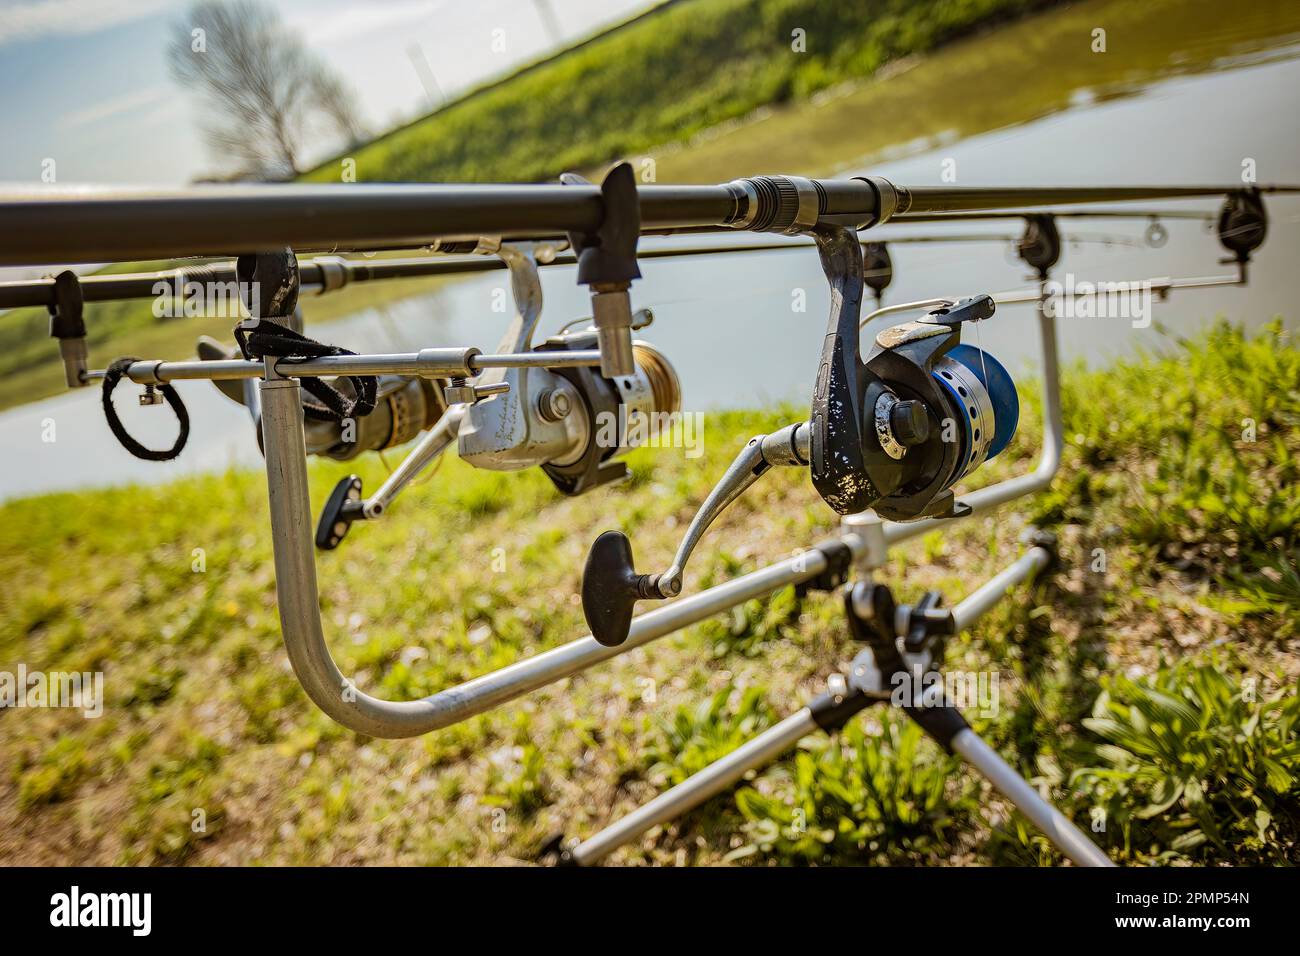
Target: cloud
(325,25)
(115,106)
(33,19)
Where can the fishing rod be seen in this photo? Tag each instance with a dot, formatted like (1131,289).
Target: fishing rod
(602,224)
(323,274)
(889,436)
(68,226)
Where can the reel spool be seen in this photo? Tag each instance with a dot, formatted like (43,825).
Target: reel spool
(983,398)
(405,407)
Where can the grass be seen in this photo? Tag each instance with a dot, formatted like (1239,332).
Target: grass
(1155,669)
(686,68)
(1197,765)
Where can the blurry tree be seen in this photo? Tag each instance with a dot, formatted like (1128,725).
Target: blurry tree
(265,93)
(339,106)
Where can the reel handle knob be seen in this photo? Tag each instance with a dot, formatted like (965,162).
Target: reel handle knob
(341,509)
(610,588)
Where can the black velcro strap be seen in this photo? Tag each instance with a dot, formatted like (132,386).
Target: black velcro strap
(112,375)
(274,340)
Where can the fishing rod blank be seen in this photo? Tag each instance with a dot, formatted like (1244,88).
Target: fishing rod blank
(324,274)
(1202,217)
(113,225)
(1159,286)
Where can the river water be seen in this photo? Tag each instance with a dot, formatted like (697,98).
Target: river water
(1208,102)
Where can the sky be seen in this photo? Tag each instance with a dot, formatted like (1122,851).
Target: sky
(85,83)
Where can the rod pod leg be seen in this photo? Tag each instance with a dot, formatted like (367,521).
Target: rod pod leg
(1067,837)
(695,790)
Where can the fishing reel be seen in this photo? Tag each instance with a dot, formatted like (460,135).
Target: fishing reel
(572,421)
(892,433)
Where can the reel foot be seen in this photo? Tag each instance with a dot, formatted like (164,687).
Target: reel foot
(341,509)
(610,588)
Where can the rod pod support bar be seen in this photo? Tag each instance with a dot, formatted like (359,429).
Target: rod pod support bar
(876,621)
(607,264)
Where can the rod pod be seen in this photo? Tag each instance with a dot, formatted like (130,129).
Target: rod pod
(885,629)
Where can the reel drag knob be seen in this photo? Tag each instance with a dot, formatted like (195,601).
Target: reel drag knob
(900,424)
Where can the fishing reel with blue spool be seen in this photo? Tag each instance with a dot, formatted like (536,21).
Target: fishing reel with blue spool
(893,433)
(938,408)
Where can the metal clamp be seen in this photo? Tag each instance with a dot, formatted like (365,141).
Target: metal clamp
(607,264)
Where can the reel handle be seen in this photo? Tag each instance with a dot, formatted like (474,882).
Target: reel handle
(610,582)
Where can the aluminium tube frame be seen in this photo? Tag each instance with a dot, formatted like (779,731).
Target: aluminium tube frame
(325,684)
(300,619)
(783,736)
